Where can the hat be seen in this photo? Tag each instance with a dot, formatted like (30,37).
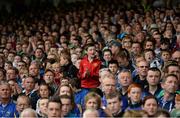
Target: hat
(154,26)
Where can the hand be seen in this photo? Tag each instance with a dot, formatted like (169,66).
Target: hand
(86,73)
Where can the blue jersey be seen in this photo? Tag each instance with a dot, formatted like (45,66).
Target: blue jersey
(8,110)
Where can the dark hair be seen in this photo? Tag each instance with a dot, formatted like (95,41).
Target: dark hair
(147,98)
(89,45)
(123,53)
(155,69)
(68,97)
(162,112)
(107,50)
(49,88)
(55,99)
(113,62)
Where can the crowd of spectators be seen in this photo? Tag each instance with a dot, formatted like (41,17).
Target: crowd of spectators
(91,60)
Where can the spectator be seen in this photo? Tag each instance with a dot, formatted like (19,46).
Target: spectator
(54,107)
(114,104)
(23,102)
(89,68)
(7,106)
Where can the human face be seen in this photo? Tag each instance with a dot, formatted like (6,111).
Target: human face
(149,45)
(56,67)
(114,49)
(153,77)
(33,70)
(66,106)
(43,105)
(11,74)
(21,65)
(150,106)
(64,90)
(11,57)
(142,68)
(174,70)
(22,103)
(108,85)
(135,95)
(170,85)
(74,58)
(176,56)
(136,48)
(54,110)
(127,44)
(107,56)
(125,79)
(165,56)
(92,104)
(149,56)
(7,66)
(49,77)
(114,105)
(63,61)
(91,52)
(29,84)
(113,68)
(5,92)
(44,91)
(38,53)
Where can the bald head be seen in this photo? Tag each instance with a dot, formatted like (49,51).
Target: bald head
(28,113)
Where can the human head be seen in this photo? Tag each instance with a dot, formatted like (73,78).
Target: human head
(90,50)
(125,78)
(134,93)
(107,54)
(29,83)
(90,113)
(176,56)
(135,113)
(34,69)
(11,74)
(44,90)
(142,68)
(67,104)
(92,101)
(49,76)
(165,55)
(5,90)
(28,112)
(54,107)
(153,76)
(162,114)
(23,102)
(113,66)
(170,83)
(114,102)
(65,90)
(123,57)
(65,58)
(41,106)
(108,84)
(150,105)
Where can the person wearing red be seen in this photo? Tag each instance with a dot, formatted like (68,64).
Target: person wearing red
(89,68)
